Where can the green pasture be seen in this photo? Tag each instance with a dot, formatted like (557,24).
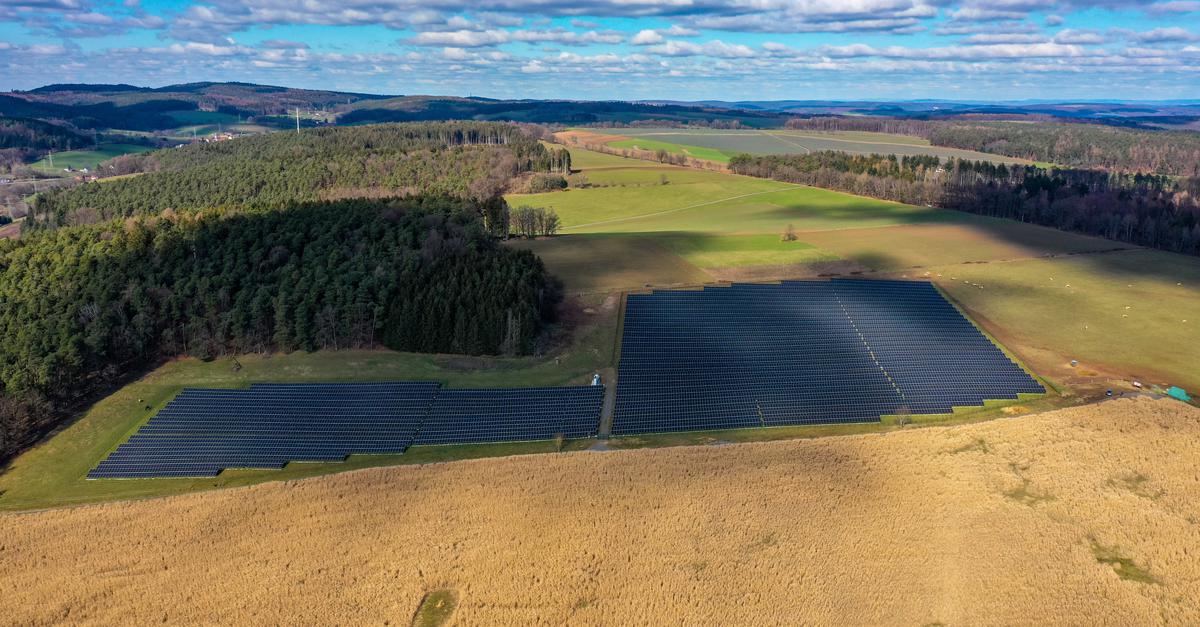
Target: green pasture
(604,262)
(79,159)
(716,202)
(699,152)
(731,251)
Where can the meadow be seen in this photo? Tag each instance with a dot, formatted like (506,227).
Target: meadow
(1084,515)
(80,159)
(720,145)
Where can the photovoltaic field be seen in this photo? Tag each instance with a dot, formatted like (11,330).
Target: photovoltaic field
(204,431)
(802,352)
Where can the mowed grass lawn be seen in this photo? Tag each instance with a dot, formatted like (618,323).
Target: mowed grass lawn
(79,159)
(53,473)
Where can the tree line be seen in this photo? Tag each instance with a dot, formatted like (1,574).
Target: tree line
(1076,145)
(1145,209)
(83,306)
(474,160)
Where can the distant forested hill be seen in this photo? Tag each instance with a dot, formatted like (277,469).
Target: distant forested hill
(463,160)
(80,307)
(143,116)
(238,98)
(421,108)
(39,135)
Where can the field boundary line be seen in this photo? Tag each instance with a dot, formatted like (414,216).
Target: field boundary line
(697,205)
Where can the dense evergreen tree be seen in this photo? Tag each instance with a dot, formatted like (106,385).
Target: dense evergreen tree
(82,306)
(472,160)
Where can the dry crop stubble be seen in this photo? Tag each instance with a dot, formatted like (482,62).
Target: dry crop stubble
(990,523)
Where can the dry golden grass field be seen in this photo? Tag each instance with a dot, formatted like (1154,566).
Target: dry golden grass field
(1088,515)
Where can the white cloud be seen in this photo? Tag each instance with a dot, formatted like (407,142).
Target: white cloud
(1160,35)
(714,48)
(646,37)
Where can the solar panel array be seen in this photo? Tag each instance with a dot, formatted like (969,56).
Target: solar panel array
(204,431)
(507,415)
(801,352)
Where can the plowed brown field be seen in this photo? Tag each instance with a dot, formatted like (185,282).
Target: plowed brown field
(1082,516)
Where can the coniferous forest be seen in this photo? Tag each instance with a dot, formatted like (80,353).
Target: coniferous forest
(461,159)
(154,271)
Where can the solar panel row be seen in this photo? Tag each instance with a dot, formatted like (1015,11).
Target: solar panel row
(801,352)
(204,431)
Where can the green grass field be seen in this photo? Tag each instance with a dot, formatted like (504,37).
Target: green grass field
(79,159)
(699,152)
(601,263)
(635,200)
(732,251)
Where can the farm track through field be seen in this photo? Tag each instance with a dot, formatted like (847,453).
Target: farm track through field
(678,209)
(807,150)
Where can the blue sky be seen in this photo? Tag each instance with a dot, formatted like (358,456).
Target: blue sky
(625,49)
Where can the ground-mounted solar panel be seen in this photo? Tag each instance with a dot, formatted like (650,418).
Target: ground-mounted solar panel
(512,415)
(801,352)
(202,432)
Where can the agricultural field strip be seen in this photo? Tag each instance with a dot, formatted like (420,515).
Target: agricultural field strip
(780,135)
(677,209)
(786,141)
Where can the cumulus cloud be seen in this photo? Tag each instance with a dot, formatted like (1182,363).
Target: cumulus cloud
(1161,35)
(714,48)
(646,37)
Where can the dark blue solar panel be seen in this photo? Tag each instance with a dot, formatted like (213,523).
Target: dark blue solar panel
(204,431)
(801,352)
(509,415)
